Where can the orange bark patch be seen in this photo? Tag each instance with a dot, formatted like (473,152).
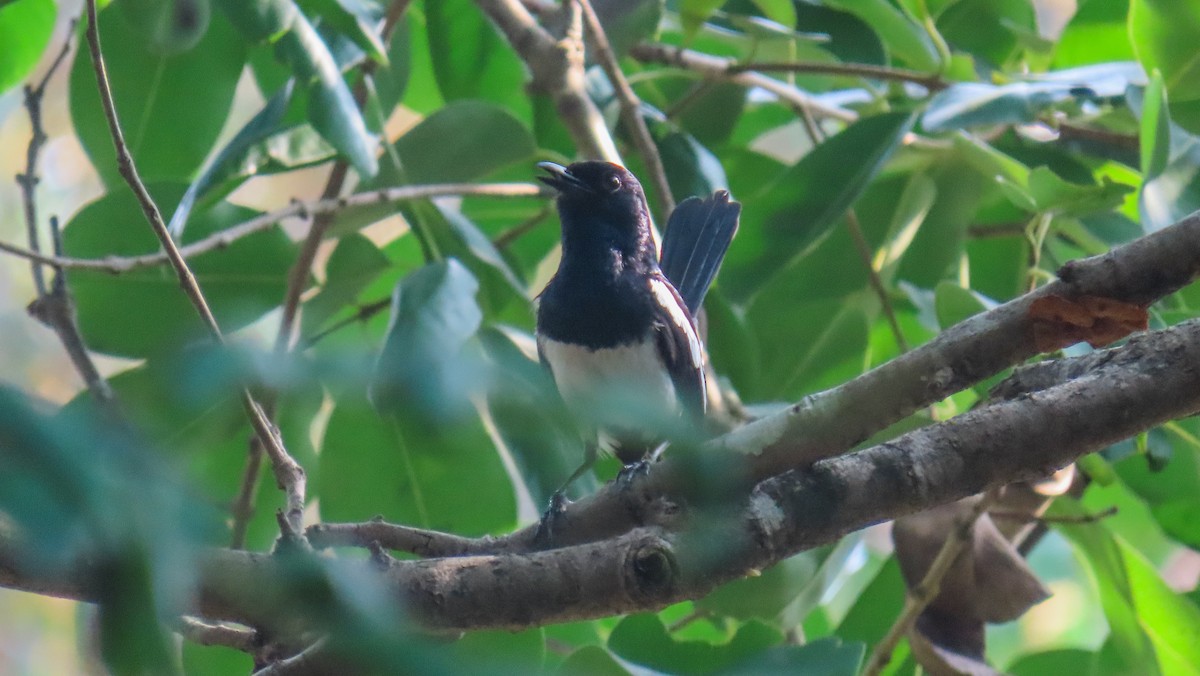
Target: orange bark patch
(1059,322)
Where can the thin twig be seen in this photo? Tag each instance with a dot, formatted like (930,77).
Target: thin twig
(298,275)
(365,312)
(505,239)
(861,245)
(56,309)
(885,301)
(29,180)
(288,473)
(226,237)
(926,80)
(631,112)
(204,633)
(923,594)
(722,68)
(54,306)
(1066,518)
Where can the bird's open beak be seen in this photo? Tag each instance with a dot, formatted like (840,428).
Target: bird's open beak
(559,178)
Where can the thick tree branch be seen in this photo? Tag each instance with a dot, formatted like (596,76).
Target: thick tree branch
(556,67)
(828,423)
(1155,378)
(631,112)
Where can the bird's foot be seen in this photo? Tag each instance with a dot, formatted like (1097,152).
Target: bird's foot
(631,472)
(544,536)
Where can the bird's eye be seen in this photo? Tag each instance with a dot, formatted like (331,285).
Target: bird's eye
(613,183)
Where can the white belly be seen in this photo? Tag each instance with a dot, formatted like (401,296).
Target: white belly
(617,388)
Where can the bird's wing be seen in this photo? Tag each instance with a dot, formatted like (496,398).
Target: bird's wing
(679,346)
(694,244)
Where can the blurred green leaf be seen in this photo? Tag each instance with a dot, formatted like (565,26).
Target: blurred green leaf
(592,661)
(201,660)
(762,596)
(25,28)
(779,11)
(644,640)
(827,656)
(156,96)
(988,29)
(433,314)
(1096,33)
(240,282)
(695,12)
(1053,663)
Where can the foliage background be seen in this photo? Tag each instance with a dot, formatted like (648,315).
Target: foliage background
(999,189)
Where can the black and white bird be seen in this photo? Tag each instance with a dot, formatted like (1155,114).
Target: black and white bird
(616,325)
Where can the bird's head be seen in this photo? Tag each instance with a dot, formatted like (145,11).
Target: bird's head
(599,199)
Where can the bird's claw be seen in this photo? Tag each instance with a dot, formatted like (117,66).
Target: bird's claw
(544,535)
(631,472)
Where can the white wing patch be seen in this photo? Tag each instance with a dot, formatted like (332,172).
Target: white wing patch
(669,302)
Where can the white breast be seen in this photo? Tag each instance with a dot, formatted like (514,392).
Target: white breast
(609,386)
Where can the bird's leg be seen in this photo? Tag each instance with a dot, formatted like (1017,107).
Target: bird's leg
(638,468)
(558,499)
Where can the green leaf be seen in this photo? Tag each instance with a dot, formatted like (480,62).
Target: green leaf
(1155,133)
(971,104)
(240,282)
(201,660)
(500,652)
(1053,663)
(695,12)
(1164,35)
(411,472)
(168,27)
(827,656)
(804,204)
(989,29)
(1096,33)
(471,60)
(762,596)
(1154,630)
(463,141)
(779,11)
(233,156)
(592,661)
(901,37)
(156,97)
(261,19)
(644,640)
(25,28)
(331,107)
(433,314)
(353,19)
(354,264)
(954,304)
(1052,194)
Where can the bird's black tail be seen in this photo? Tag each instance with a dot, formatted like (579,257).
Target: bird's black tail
(697,236)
